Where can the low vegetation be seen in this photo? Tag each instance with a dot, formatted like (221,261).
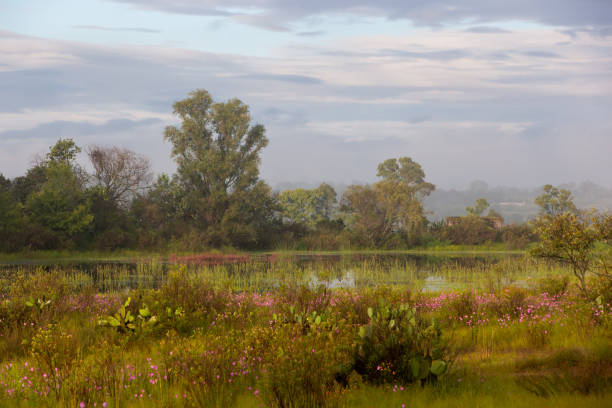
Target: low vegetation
(222,335)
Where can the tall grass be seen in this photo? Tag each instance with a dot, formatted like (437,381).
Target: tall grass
(286,333)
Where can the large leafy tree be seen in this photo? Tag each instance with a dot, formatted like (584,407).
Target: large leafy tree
(393,205)
(217,151)
(60,204)
(408,173)
(48,207)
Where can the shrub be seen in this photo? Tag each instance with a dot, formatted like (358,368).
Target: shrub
(518,236)
(398,345)
(302,368)
(554,286)
(54,350)
(470,231)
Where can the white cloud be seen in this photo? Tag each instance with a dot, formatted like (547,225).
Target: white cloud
(360,130)
(31,118)
(463,104)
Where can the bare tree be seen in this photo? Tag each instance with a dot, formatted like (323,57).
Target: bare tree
(121,172)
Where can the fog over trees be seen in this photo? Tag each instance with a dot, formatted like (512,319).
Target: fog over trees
(216,198)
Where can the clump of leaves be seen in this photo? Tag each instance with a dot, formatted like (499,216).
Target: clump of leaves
(39,304)
(398,345)
(124,321)
(307,321)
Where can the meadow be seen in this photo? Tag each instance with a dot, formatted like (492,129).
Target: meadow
(337,330)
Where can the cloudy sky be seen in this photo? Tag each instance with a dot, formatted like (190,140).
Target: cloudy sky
(510,92)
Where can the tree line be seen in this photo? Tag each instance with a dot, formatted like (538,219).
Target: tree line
(216,198)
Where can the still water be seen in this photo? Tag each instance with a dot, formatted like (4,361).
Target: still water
(421,272)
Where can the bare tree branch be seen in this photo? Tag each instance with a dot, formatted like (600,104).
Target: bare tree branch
(121,172)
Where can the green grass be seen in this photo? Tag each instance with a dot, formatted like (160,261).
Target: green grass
(256,319)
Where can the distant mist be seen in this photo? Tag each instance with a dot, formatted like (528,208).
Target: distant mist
(516,205)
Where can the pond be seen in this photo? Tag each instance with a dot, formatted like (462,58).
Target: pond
(266,272)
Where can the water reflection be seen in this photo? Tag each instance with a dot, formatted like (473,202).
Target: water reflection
(423,272)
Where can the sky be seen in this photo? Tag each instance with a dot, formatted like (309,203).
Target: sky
(514,93)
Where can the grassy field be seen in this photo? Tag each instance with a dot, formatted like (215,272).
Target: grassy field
(356,332)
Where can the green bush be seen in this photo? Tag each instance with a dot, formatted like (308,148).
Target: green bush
(399,345)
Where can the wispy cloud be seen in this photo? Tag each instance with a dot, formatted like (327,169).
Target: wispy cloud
(310,33)
(128,29)
(65,129)
(277,14)
(297,79)
(486,30)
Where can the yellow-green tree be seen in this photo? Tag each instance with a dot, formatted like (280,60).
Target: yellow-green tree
(554,201)
(391,206)
(570,239)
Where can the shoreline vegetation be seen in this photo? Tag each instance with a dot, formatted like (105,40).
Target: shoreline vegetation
(136,255)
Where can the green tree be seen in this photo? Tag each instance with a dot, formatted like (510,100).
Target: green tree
(308,207)
(493,213)
(481,205)
(5,184)
(570,239)
(64,151)
(11,220)
(217,152)
(365,215)
(60,205)
(57,201)
(326,202)
(407,172)
(390,207)
(554,201)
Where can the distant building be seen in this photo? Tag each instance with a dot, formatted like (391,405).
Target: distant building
(493,222)
(450,221)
